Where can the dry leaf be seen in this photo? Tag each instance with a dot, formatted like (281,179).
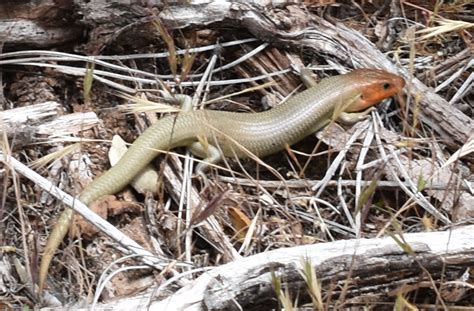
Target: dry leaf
(240,221)
(106,206)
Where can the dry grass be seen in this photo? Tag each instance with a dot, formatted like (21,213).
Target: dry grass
(248,217)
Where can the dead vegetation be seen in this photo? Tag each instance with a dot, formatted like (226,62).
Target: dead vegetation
(405,174)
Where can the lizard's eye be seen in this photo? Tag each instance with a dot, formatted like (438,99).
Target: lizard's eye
(386,86)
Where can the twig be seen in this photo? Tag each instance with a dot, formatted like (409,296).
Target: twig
(304,183)
(410,189)
(130,245)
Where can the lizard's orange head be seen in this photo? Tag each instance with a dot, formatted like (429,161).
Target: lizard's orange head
(374,85)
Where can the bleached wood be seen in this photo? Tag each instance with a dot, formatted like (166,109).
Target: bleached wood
(29,32)
(39,23)
(248,280)
(45,119)
(69,124)
(13,120)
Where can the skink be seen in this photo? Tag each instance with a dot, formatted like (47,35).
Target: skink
(212,134)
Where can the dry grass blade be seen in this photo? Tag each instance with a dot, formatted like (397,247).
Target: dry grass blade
(283,296)
(247,90)
(88,79)
(445,26)
(69,139)
(314,286)
(145,105)
(250,233)
(286,300)
(400,240)
(165,35)
(276,282)
(188,58)
(466,149)
(215,203)
(57,155)
(421,183)
(402,304)
(366,194)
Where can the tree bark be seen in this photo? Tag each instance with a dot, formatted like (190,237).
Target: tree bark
(43,23)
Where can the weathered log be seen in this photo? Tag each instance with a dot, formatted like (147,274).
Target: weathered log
(377,268)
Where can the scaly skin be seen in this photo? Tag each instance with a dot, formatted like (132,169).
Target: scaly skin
(260,133)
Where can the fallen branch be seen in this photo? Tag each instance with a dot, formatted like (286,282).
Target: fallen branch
(369,265)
